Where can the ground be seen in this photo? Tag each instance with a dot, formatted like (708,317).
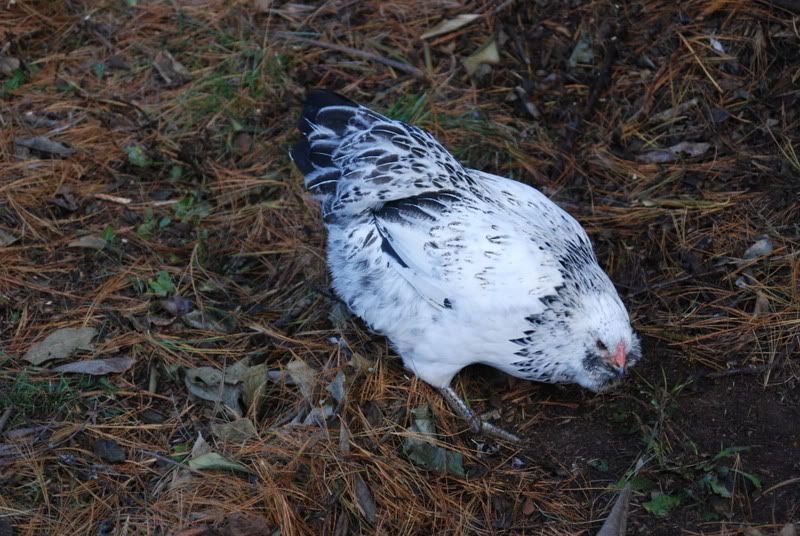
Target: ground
(147,202)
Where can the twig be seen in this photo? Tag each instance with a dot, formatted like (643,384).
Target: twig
(789,5)
(598,85)
(5,416)
(410,69)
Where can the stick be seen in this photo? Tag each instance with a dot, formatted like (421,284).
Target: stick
(410,69)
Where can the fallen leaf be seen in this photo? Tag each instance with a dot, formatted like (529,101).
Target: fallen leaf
(8,65)
(60,344)
(762,246)
(200,447)
(365,501)
(97,367)
(304,377)
(450,25)
(262,6)
(660,156)
(171,70)
(424,453)
(336,387)
(210,319)
(529,507)
(212,460)
(65,198)
(109,451)
(661,505)
(177,305)
(45,145)
(582,53)
(88,242)
(243,142)
(488,53)
(789,529)
(672,113)
(210,384)
(6,238)
(617,521)
(241,524)
(253,384)
(236,432)
(136,156)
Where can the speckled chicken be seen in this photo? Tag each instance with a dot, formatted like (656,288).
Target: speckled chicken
(456,266)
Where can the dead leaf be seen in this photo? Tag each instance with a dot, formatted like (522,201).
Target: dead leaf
(88,242)
(170,69)
(65,198)
(672,113)
(200,447)
(210,319)
(8,65)
(60,344)
(45,145)
(529,507)
(6,238)
(617,521)
(762,246)
(253,384)
(97,367)
(243,142)
(487,54)
(365,501)
(423,452)
(109,451)
(177,305)
(210,384)
(660,156)
(762,304)
(212,460)
(337,387)
(450,25)
(262,6)
(236,432)
(582,53)
(305,377)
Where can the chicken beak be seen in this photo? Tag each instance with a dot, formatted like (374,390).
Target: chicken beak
(617,361)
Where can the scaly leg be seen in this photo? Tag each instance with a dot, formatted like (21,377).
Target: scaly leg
(459,406)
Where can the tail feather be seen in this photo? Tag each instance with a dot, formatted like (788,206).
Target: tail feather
(355,160)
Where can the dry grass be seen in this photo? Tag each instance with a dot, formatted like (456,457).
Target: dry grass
(216,205)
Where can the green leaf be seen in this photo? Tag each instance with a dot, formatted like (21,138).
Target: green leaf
(162,284)
(146,228)
(137,156)
(662,505)
(99,70)
(13,82)
(108,234)
(716,486)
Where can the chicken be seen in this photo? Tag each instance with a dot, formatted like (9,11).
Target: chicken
(456,266)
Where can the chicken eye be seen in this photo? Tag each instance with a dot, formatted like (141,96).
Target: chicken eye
(600,346)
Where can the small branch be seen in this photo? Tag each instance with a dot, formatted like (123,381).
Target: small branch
(5,416)
(600,82)
(788,5)
(406,68)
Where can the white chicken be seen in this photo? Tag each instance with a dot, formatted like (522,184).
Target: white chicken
(456,266)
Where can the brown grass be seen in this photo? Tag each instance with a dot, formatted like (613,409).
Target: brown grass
(673,236)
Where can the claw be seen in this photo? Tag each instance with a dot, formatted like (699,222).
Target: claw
(478,426)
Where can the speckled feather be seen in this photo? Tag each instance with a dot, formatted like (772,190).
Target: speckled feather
(455,266)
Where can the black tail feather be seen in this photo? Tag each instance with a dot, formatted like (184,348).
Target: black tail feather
(318,99)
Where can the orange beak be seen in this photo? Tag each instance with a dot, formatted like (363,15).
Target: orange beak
(618,359)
